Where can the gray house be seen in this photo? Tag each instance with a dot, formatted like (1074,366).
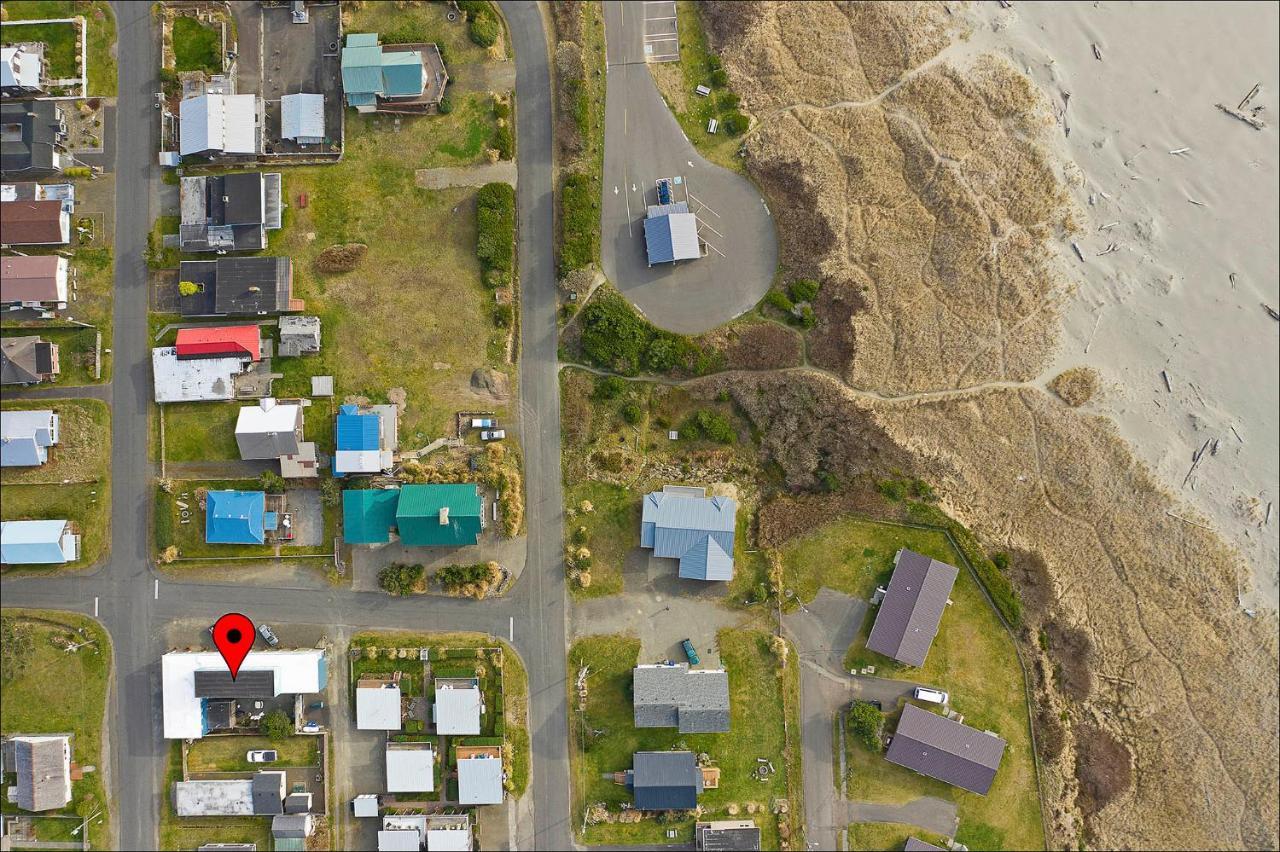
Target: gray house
(268,793)
(229,212)
(665,780)
(683,523)
(31,137)
(237,286)
(42,764)
(696,702)
(949,751)
(912,607)
(299,335)
(915,844)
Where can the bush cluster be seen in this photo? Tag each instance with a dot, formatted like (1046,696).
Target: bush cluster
(579,220)
(496,233)
(615,337)
(483,28)
(503,141)
(865,723)
(400,579)
(803,290)
(708,425)
(454,577)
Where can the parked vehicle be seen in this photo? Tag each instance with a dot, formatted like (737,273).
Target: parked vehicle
(712,125)
(493,435)
(269,635)
(933,696)
(690,652)
(664,190)
(262,756)
(316,705)
(483,422)
(311,728)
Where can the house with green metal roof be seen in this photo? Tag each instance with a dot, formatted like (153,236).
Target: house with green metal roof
(440,515)
(408,78)
(368,515)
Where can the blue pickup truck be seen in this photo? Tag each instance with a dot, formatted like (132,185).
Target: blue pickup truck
(690,652)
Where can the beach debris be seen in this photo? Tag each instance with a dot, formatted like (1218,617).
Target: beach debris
(1076,246)
(1006,4)
(1179,150)
(1213,451)
(1164,374)
(1275,315)
(1111,249)
(1267,519)
(1253,93)
(1103,192)
(1093,199)
(1196,203)
(1231,276)
(1195,463)
(1251,117)
(1237,434)
(1093,333)
(1097,54)
(1108,226)
(1187,520)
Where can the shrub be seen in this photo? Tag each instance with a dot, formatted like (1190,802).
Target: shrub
(400,579)
(779,300)
(78,172)
(473,7)
(503,315)
(453,576)
(501,109)
(330,491)
(277,726)
(503,141)
(608,387)
(805,316)
(996,583)
(496,232)
(711,425)
(613,335)
(865,723)
(1001,561)
(484,28)
(803,290)
(188,288)
(728,101)
(893,489)
(271,482)
(735,123)
(719,78)
(631,412)
(579,222)
(406,31)
(445,106)
(714,63)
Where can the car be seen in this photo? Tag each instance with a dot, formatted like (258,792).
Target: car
(311,728)
(482,422)
(690,652)
(933,696)
(269,635)
(262,756)
(493,435)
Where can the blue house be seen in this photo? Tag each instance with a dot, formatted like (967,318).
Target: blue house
(38,543)
(684,523)
(237,517)
(358,441)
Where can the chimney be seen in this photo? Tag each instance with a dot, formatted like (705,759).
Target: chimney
(444,516)
(267,403)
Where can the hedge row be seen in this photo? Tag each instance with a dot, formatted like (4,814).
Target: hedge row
(579,222)
(496,233)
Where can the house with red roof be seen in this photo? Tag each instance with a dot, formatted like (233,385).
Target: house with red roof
(223,341)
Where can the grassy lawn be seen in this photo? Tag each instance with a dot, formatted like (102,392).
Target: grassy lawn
(515,685)
(52,691)
(84,449)
(189,537)
(201,431)
(756,697)
(196,46)
(59,44)
(613,530)
(101,37)
(227,753)
(973,658)
(888,836)
(191,832)
(407,22)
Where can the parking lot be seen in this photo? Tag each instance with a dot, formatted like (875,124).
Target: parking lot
(661,40)
(300,58)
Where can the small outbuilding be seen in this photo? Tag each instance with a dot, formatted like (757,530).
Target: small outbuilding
(302,118)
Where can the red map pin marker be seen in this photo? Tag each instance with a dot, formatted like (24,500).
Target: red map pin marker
(233,634)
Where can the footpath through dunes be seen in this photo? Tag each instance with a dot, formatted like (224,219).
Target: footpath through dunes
(911,172)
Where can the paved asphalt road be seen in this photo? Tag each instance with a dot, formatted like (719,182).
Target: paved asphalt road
(136,604)
(643,142)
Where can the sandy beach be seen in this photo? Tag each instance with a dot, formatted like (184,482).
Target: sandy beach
(1168,286)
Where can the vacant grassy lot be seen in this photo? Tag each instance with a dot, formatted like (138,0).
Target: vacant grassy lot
(101,24)
(227,754)
(403,23)
(50,691)
(755,693)
(201,431)
(973,658)
(196,46)
(191,832)
(888,836)
(84,448)
(59,44)
(613,529)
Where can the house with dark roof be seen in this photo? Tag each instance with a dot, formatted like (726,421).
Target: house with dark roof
(912,607)
(915,844)
(291,827)
(406,78)
(42,764)
(946,750)
(31,137)
(38,282)
(26,436)
(672,696)
(35,223)
(28,360)
(229,212)
(683,523)
(671,233)
(236,286)
(665,780)
(268,792)
(726,835)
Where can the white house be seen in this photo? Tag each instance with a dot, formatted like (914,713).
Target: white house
(377,706)
(269,429)
(26,436)
(480,781)
(458,706)
(219,124)
(300,672)
(302,118)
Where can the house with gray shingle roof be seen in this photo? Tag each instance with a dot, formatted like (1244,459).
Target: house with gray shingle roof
(912,607)
(945,749)
(683,523)
(696,702)
(915,844)
(42,764)
(665,780)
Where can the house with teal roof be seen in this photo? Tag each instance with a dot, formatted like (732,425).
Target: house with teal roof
(407,78)
(369,514)
(449,515)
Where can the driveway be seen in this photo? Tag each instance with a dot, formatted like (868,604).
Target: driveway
(823,629)
(644,142)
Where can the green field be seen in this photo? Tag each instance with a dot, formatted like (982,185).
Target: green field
(196,46)
(47,690)
(887,836)
(59,42)
(756,699)
(201,431)
(613,531)
(227,753)
(973,658)
(101,24)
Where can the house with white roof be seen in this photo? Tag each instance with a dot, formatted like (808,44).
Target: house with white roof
(214,124)
(410,768)
(269,429)
(191,680)
(38,543)
(26,436)
(192,380)
(377,705)
(458,706)
(22,69)
(480,780)
(302,118)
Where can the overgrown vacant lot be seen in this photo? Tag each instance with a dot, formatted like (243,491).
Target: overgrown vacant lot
(47,690)
(973,659)
(196,46)
(405,22)
(84,447)
(755,694)
(201,431)
(101,38)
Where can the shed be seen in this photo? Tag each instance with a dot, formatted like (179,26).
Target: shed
(365,805)
(671,233)
(945,749)
(302,118)
(912,608)
(299,335)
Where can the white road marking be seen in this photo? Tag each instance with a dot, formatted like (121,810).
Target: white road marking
(511,629)
(624,121)
(615,189)
(690,162)
(95,607)
(703,223)
(663,18)
(633,187)
(157,590)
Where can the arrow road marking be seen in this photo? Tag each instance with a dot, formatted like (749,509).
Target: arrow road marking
(615,189)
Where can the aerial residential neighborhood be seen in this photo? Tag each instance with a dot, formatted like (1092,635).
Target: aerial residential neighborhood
(679,424)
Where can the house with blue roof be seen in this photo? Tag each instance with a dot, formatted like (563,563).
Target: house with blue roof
(238,517)
(26,436)
(683,523)
(365,439)
(38,543)
(406,78)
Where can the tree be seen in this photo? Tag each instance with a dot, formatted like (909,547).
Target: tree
(865,723)
(271,482)
(735,123)
(445,106)
(188,288)
(631,413)
(400,579)
(719,78)
(277,726)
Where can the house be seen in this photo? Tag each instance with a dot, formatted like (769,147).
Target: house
(229,212)
(695,702)
(26,436)
(238,517)
(671,233)
(22,70)
(410,768)
(726,835)
(665,780)
(31,137)
(42,764)
(391,78)
(945,749)
(191,681)
(236,286)
(213,798)
(38,283)
(406,832)
(268,792)
(64,193)
(377,705)
(912,608)
(28,360)
(365,439)
(480,779)
(217,124)
(194,379)
(38,543)
(915,844)
(302,118)
(298,336)
(439,515)
(227,847)
(221,341)
(269,430)
(368,515)
(35,223)
(290,831)
(683,523)
(458,706)
(449,833)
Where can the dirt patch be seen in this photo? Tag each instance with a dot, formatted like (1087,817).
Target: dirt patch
(1071,649)
(492,383)
(341,258)
(1103,767)
(1076,386)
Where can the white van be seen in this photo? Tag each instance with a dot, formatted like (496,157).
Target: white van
(712,125)
(933,696)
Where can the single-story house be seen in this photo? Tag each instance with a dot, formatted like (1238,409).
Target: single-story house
(459,704)
(302,118)
(365,439)
(191,681)
(665,780)
(368,515)
(480,780)
(38,543)
(237,286)
(219,341)
(365,805)
(410,768)
(671,233)
(237,517)
(449,832)
(22,69)
(439,515)
(695,702)
(268,792)
(229,212)
(912,608)
(26,436)
(945,749)
(403,833)
(726,835)
(294,827)
(377,705)
(216,124)
(269,430)
(28,360)
(31,137)
(915,844)
(683,523)
(35,223)
(391,78)
(230,797)
(298,336)
(194,379)
(38,282)
(42,764)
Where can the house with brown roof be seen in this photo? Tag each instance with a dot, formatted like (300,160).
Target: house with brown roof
(912,607)
(33,282)
(34,223)
(945,749)
(28,361)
